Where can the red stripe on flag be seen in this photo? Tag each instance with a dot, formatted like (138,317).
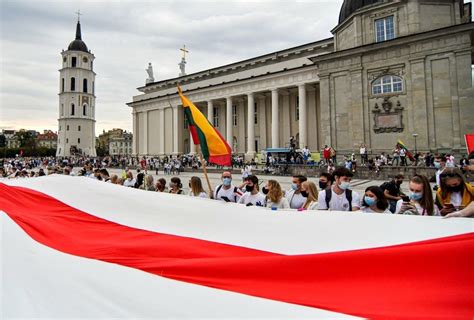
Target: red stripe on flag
(427,279)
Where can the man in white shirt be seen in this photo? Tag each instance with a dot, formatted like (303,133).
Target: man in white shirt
(440,164)
(306,154)
(129,182)
(341,198)
(252,197)
(226,191)
(294,197)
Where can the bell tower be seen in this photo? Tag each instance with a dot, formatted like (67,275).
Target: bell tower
(76,132)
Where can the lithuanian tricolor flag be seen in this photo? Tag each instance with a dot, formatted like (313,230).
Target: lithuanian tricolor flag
(409,154)
(214,148)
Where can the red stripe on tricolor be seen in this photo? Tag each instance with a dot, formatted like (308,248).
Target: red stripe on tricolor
(427,279)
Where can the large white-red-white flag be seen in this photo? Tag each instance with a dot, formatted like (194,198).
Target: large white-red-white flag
(74,247)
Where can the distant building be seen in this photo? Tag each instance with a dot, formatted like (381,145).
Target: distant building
(76,127)
(47,139)
(116,142)
(11,139)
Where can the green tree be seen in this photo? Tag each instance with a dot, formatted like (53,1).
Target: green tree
(3,141)
(26,139)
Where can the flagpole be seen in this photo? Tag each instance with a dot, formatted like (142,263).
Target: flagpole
(203,163)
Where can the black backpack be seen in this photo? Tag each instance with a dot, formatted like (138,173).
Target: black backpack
(219,189)
(348,197)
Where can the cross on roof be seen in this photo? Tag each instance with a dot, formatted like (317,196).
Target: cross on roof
(184,51)
(78,14)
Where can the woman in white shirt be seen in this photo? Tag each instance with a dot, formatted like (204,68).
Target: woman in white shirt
(274,196)
(374,201)
(420,200)
(196,189)
(310,192)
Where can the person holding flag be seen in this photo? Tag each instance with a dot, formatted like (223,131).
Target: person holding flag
(404,153)
(214,148)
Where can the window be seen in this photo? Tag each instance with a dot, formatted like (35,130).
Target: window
(84,85)
(62,85)
(255,113)
(215,117)
(74,60)
(67,128)
(387,84)
(84,110)
(73,84)
(59,128)
(78,128)
(72,109)
(67,140)
(297,109)
(93,87)
(384,29)
(234,115)
(256,145)
(78,140)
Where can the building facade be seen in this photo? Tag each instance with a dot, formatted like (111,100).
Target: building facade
(116,142)
(393,70)
(76,123)
(47,139)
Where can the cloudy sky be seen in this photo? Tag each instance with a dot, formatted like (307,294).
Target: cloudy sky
(125,35)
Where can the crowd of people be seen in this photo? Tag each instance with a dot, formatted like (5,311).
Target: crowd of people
(454,195)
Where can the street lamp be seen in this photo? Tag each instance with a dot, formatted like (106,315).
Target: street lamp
(414,136)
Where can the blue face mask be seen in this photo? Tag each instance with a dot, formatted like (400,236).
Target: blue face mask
(437,165)
(416,195)
(345,185)
(227,181)
(294,186)
(370,201)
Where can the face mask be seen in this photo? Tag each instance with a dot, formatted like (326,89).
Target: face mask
(437,165)
(226,181)
(322,185)
(294,186)
(370,201)
(304,193)
(249,188)
(455,189)
(345,185)
(416,195)
(264,190)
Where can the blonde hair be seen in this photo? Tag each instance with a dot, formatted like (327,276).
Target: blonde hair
(196,186)
(275,193)
(312,190)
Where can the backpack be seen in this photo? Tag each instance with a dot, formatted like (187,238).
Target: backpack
(348,197)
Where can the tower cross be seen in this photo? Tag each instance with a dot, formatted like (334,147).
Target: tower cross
(78,14)
(184,51)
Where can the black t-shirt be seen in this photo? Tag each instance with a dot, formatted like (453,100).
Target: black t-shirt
(392,187)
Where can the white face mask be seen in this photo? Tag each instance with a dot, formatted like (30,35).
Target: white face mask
(345,185)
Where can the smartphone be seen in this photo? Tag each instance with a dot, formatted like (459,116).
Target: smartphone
(405,198)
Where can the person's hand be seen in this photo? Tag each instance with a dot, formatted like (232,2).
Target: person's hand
(454,214)
(408,208)
(447,209)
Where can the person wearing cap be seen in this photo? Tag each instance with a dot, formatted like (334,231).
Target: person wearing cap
(226,191)
(252,196)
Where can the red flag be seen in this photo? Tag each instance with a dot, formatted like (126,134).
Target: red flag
(469,142)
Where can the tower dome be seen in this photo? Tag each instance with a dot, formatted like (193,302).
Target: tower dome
(77,44)
(351,6)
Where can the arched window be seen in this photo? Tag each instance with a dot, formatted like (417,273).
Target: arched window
(84,85)
(73,84)
(67,128)
(72,109)
(387,84)
(78,128)
(74,62)
(62,85)
(84,109)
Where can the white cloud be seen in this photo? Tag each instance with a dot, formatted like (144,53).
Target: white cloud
(126,35)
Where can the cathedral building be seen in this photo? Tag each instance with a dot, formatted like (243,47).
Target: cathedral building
(394,69)
(76,134)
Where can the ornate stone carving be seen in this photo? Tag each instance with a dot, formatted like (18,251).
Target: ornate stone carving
(388,119)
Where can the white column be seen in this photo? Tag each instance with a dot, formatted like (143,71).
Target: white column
(135,134)
(210,111)
(250,125)
(275,120)
(302,123)
(192,146)
(228,122)
(175,130)
(161,114)
(145,135)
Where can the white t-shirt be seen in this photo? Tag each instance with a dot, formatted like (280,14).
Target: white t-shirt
(229,193)
(338,201)
(402,152)
(418,207)
(257,199)
(456,199)
(282,204)
(129,183)
(201,195)
(368,210)
(438,179)
(295,200)
(362,150)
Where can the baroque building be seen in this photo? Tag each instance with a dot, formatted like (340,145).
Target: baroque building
(76,122)
(394,69)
